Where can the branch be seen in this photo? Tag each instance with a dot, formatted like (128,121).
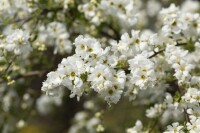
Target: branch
(32,73)
(9,64)
(29,74)
(186,116)
(20,20)
(156,53)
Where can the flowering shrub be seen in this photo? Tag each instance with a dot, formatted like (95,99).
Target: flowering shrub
(104,51)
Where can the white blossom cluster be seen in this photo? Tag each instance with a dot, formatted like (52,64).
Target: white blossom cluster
(175,127)
(177,57)
(142,71)
(123,11)
(189,105)
(148,62)
(45,103)
(138,128)
(55,34)
(85,69)
(191,101)
(13,8)
(16,42)
(131,48)
(165,109)
(91,65)
(84,122)
(180,25)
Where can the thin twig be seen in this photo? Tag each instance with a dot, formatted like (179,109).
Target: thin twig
(20,20)
(156,53)
(28,74)
(9,64)
(186,116)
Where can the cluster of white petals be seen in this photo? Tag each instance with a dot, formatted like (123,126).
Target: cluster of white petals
(111,50)
(124,11)
(175,127)
(55,34)
(16,42)
(154,67)
(137,128)
(84,121)
(142,71)
(180,25)
(177,57)
(85,70)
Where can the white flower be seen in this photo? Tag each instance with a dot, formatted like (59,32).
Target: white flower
(55,28)
(92,12)
(107,82)
(180,25)
(172,9)
(172,24)
(100,77)
(124,11)
(68,74)
(63,45)
(17,42)
(137,128)
(132,90)
(4,5)
(112,95)
(194,126)
(154,111)
(45,103)
(177,58)
(55,34)
(91,124)
(174,128)
(87,47)
(54,80)
(142,71)
(192,96)
(73,68)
